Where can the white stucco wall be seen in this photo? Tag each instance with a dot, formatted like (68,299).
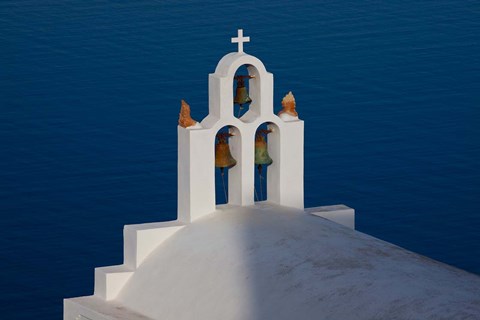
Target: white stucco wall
(196,171)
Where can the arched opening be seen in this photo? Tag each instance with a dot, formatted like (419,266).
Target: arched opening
(265,160)
(245,83)
(227,157)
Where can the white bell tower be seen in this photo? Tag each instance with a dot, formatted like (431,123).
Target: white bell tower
(196,154)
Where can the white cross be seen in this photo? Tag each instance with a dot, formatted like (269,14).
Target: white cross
(240,39)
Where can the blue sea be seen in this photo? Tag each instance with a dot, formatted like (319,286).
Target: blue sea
(90,93)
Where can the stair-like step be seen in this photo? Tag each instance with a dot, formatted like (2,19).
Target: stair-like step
(139,241)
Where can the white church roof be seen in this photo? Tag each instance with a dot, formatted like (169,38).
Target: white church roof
(269,262)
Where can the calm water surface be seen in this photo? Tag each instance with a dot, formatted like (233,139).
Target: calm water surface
(89,98)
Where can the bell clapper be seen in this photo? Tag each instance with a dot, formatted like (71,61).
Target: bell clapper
(222,173)
(240,111)
(259,167)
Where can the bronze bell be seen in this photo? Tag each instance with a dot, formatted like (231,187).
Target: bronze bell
(241,94)
(261,155)
(223,156)
(261,150)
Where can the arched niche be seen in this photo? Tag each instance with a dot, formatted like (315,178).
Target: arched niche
(267,181)
(221,89)
(230,181)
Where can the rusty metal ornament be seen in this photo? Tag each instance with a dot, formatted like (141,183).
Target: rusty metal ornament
(184,118)
(288,104)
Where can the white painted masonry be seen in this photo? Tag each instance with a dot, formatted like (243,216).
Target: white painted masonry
(139,241)
(272,262)
(339,213)
(196,172)
(274,259)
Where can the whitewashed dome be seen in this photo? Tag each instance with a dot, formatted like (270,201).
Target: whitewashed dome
(268,262)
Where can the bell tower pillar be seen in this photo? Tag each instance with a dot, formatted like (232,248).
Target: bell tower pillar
(196,154)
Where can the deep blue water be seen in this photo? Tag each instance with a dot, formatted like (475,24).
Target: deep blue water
(89,98)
